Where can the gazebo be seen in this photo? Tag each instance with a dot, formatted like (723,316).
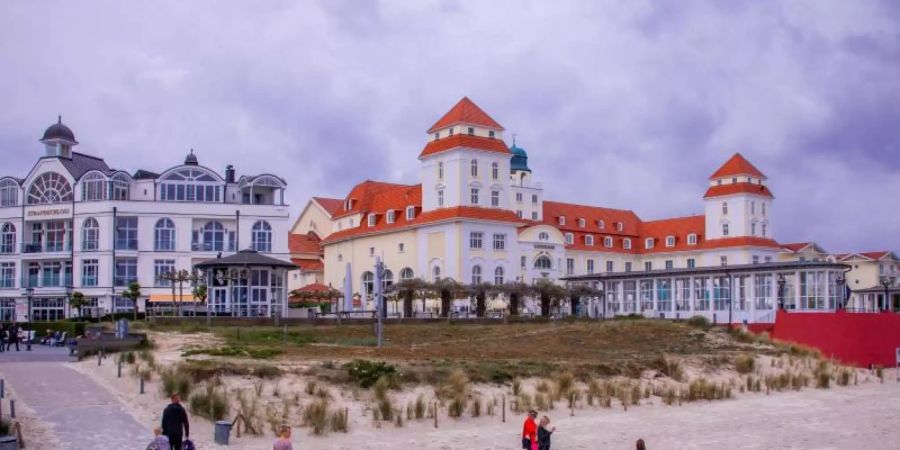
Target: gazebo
(246,284)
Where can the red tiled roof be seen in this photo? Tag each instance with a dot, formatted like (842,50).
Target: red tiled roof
(464,140)
(314,287)
(304,243)
(738,188)
(308,265)
(796,246)
(591,215)
(362,195)
(876,255)
(331,205)
(679,227)
(737,165)
(744,241)
(467,112)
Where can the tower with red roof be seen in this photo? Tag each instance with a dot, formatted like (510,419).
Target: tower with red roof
(738,202)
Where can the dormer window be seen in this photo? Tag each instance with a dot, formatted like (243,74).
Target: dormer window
(410,213)
(601,224)
(608,242)
(391,215)
(718,182)
(437,136)
(570,238)
(562,220)
(491,134)
(471,131)
(620,226)
(626,244)
(371,220)
(451,132)
(648,243)
(734,180)
(692,239)
(670,241)
(581,223)
(589,240)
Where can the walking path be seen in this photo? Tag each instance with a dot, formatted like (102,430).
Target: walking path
(81,413)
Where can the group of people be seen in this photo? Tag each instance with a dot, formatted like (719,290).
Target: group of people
(10,335)
(536,436)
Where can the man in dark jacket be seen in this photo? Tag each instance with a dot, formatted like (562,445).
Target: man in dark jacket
(12,337)
(175,422)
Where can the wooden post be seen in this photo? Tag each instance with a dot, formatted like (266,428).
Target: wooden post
(142,384)
(435,414)
(503,414)
(12,408)
(2,388)
(99,358)
(119,369)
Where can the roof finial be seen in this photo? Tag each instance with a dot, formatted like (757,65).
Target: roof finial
(59,118)
(192,151)
(514,139)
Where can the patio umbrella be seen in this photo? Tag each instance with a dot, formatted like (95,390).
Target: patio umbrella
(348,289)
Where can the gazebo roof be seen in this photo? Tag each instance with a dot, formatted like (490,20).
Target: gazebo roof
(245,258)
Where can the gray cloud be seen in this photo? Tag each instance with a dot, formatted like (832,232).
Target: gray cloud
(622,104)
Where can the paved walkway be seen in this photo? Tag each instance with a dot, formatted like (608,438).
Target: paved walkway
(82,413)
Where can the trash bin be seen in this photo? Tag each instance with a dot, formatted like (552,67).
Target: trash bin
(223,432)
(9,443)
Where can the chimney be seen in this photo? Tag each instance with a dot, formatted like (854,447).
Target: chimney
(229,174)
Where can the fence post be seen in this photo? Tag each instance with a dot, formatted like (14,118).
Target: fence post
(503,415)
(119,370)
(2,388)
(99,358)
(142,384)
(12,408)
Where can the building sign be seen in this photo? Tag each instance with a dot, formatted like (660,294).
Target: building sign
(544,247)
(49,213)
(21,312)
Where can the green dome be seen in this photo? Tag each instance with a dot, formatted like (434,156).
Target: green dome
(519,160)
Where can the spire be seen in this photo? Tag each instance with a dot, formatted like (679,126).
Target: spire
(466,112)
(737,165)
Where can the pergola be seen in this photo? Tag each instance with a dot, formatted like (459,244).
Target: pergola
(246,284)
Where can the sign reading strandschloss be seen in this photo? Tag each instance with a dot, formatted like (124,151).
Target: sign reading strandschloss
(48,212)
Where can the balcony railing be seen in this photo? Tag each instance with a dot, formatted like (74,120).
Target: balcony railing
(47,247)
(7,249)
(211,247)
(46,281)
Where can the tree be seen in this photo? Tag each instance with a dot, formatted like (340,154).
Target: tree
(576,292)
(133,293)
(550,294)
(77,302)
(481,291)
(449,289)
(201,292)
(408,290)
(514,291)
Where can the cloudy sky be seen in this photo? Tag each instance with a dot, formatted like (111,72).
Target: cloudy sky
(627,104)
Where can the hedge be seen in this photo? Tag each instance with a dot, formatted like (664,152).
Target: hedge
(40,328)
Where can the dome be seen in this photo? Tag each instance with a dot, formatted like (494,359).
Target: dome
(191,159)
(519,159)
(59,131)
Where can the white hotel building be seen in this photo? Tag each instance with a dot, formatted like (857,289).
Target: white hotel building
(477,215)
(74,224)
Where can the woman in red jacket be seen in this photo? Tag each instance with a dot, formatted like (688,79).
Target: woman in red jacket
(529,431)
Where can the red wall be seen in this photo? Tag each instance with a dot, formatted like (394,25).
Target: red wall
(853,338)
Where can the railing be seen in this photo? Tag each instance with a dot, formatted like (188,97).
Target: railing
(211,247)
(47,247)
(42,281)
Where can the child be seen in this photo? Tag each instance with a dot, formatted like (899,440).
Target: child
(284,440)
(160,441)
(543,434)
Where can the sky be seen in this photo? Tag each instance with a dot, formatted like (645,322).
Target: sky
(626,104)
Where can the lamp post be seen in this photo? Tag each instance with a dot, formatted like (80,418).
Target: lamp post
(781,282)
(29,295)
(887,282)
(69,290)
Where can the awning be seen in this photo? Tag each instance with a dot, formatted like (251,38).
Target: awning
(169,298)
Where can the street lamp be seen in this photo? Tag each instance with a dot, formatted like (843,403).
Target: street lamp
(69,290)
(887,282)
(29,294)
(781,282)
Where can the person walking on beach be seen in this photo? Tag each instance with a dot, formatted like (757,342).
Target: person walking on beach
(543,433)
(529,431)
(175,422)
(284,439)
(639,445)
(160,441)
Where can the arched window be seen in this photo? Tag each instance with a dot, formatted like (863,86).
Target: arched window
(648,243)
(724,208)
(119,186)
(589,240)
(495,171)
(190,185)
(476,274)
(626,244)
(608,241)
(368,283)
(164,235)
(498,276)
(387,279)
(440,170)
(49,188)
(436,274)
(8,238)
(474,168)
(543,262)
(406,274)
(543,236)
(93,187)
(213,237)
(601,224)
(261,238)
(9,193)
(90,235)
(753,229)
(724,229)
(670,241)
(692,239)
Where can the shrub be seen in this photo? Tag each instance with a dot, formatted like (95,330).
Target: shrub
(456,407)
(276,418)
(315,416)
(699,322)
(844,378)
(543,386)
(565,382)
(310,387)
(209,403)
(236,352)
(475,409)
(668,367)
(250,410)
(542,402)
(745,364)
(266,372)
(420,407)
(148,357)
(174,381)
(339,421)
(823,380)
(516,386)
(366,373)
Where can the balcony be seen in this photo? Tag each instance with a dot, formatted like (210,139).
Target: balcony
(212,247)
(47,247)
(51,281)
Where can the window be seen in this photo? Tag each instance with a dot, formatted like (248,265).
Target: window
(764,230)
(620,226)
(581,223)
(691,263)
(753,229)
(601,224)
(724,208)
(89,272)
(543,236)
(473,168)
(261,237)
(763,209)
(534,215)
(119,187)
(723,260)
(371,219)
(213,237)
(48,309)
(49,188)
(609,266)
(724,229)
(406,274)
(93,187)
(543,262)
(7,275)
(368,283)
(495,199)
(692,239)
(126,233)
(589,240)
(340,257)
(475,240)
(733,180)
(534,199)
(562,220)
(476,274)
(648,243)
(570,266)
(590,266)
(519,213)
(498,276)
(474,196)
(491,134)
(164,235)
(191,185)
(626,243)
(391,216)
(495,171)
(440,198)
(9,193)
(670,241)
(524,262)
(628,267)
(126,271)
(162,268)
(608,241)
(8,238)
(410,213)
(401,248)
(755,259)
(437,136)
(519,197)
(570,238)
(436,274)
(371,251)
(670,264)
(471,131)
(451,132)
(648,266)
(440,168)
(752,208)
(499,242)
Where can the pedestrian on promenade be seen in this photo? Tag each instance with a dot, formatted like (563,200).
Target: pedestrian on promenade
(175,422)
(13,338)
(160,441)
(543,433)
(2,338)
(640,445)
(529,431)
(284,439)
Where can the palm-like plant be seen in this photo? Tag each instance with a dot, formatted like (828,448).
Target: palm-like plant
(133,293)
(77,301)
